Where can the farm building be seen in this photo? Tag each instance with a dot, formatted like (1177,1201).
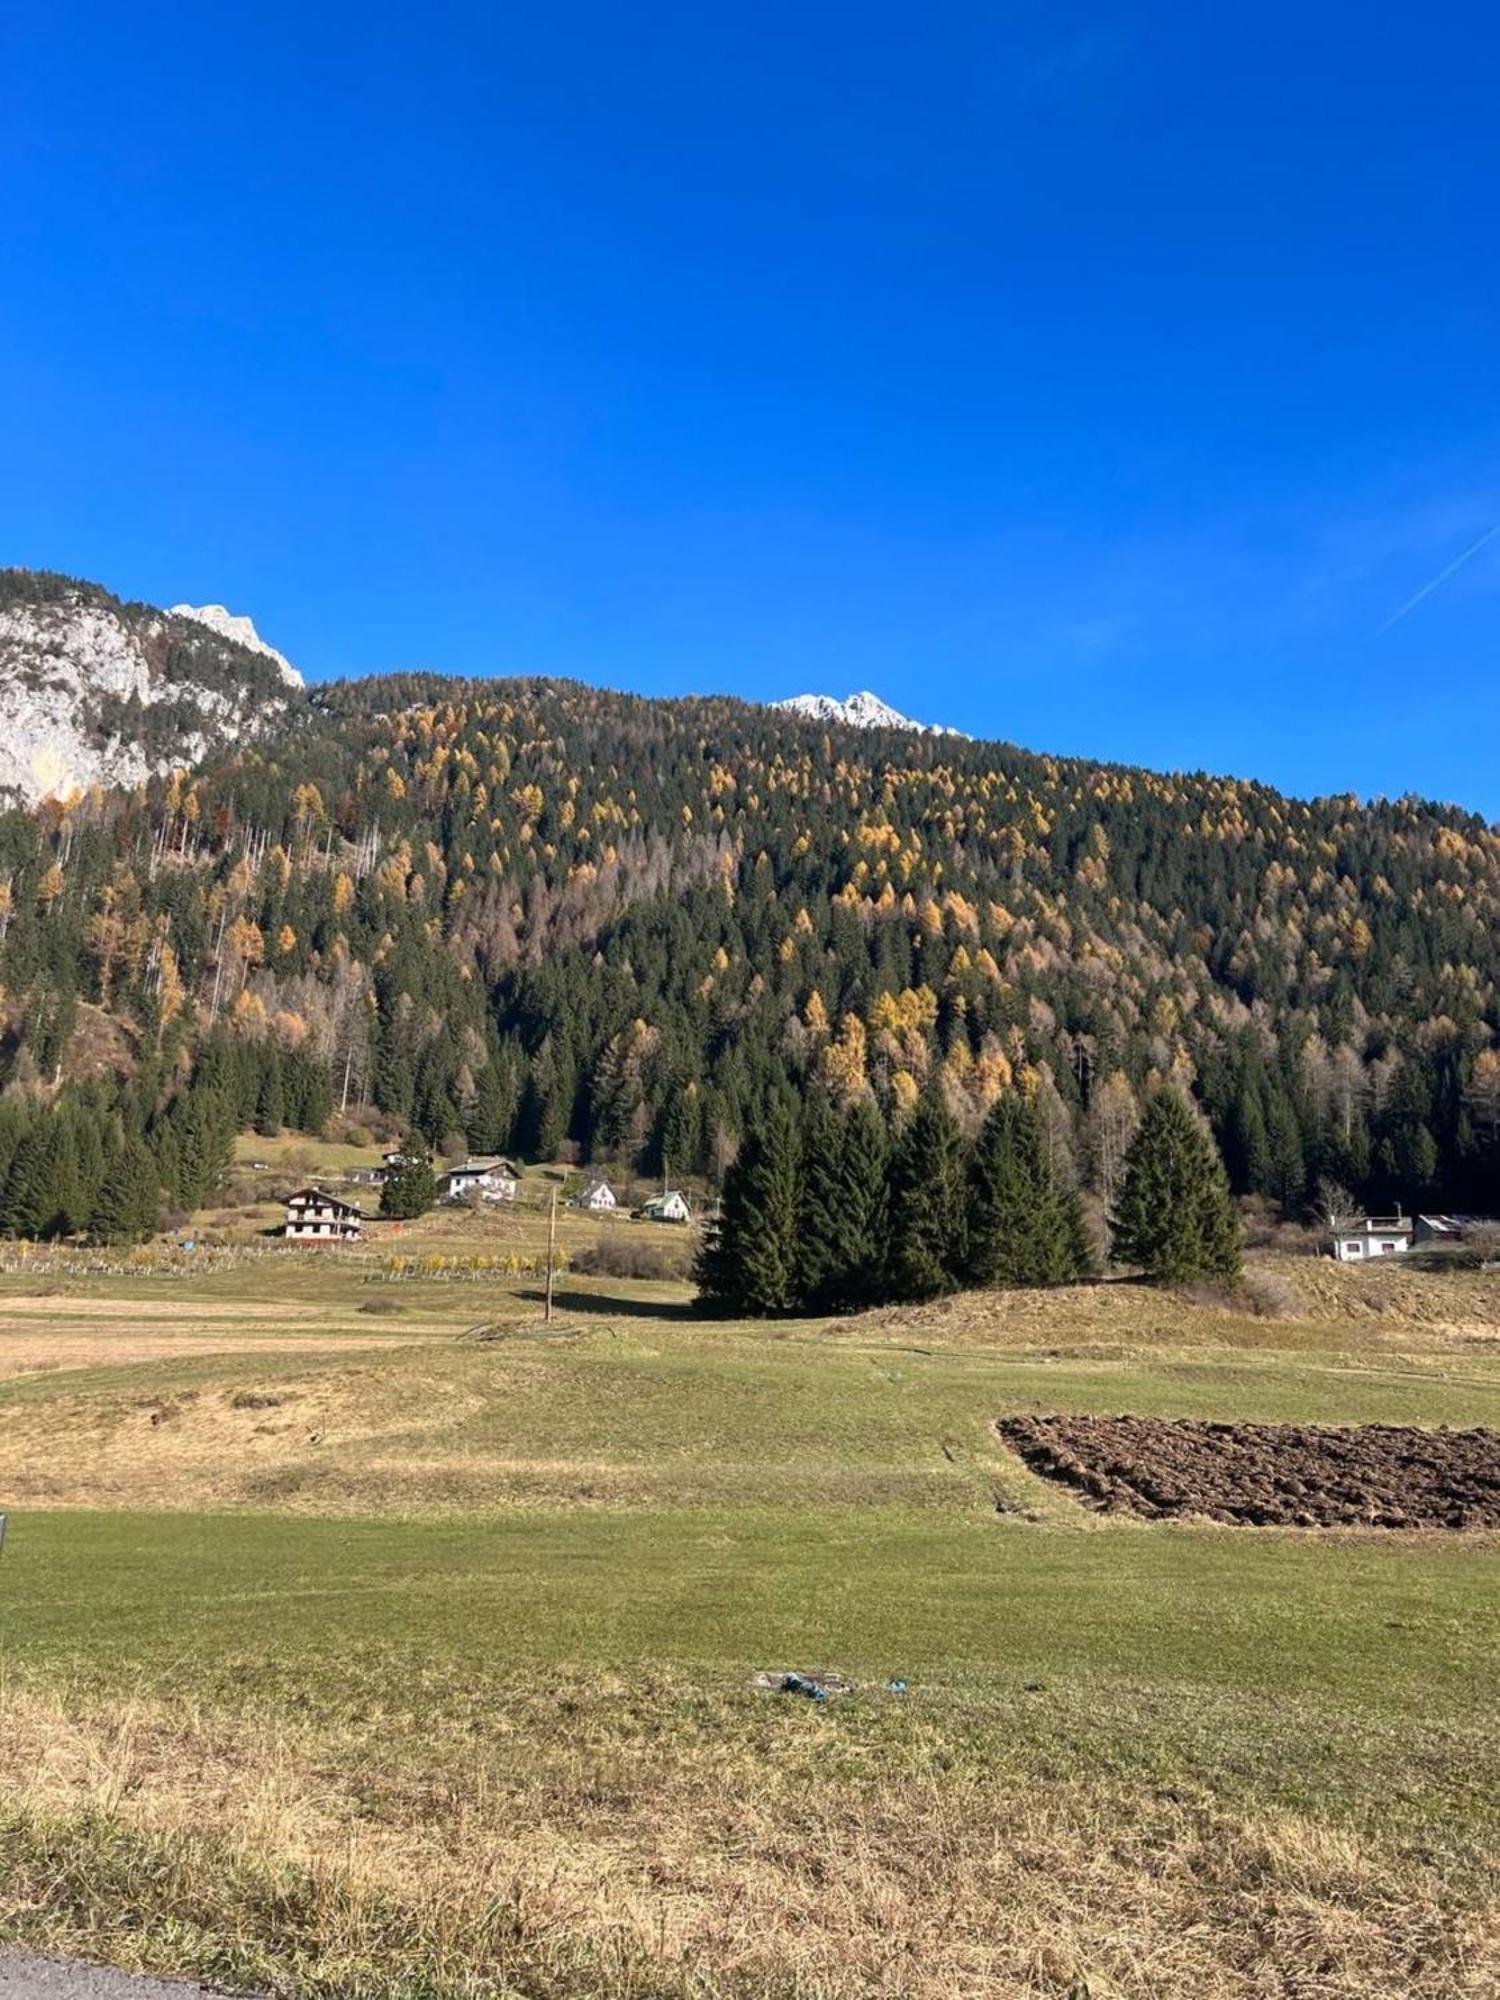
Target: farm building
(491,1179)
(598,1195)
(1372,1236)
(667,1208)
(314,1216)
(1452,1231)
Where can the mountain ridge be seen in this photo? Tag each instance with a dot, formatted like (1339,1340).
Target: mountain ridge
(535,915)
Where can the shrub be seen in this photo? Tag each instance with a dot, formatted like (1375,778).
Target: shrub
(620,1256)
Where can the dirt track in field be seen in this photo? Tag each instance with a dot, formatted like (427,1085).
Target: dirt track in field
(1268,1475)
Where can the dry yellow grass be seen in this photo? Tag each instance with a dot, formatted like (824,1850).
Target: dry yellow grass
(707,1867)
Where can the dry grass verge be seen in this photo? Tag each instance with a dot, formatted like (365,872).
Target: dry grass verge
(617,1864)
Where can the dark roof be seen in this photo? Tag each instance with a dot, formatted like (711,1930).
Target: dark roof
(323,1198)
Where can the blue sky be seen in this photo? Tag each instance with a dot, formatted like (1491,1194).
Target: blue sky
(1105,379)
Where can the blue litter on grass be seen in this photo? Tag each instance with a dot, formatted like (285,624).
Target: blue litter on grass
(800,1684)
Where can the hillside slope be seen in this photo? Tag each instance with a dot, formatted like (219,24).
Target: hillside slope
(535,915)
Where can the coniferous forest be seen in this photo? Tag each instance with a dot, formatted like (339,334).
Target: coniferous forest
(534,916)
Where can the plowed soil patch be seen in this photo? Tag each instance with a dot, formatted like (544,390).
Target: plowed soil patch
(1269,1475)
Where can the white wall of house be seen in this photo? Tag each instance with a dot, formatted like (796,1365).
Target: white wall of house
(1360,1246)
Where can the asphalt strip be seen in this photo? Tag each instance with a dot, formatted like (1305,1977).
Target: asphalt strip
(23,1976)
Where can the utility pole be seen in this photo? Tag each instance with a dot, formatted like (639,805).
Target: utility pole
(551,1247)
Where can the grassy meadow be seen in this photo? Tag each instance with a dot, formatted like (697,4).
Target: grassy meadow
(363,1635)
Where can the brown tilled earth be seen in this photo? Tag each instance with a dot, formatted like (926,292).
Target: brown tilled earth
(1269,1475)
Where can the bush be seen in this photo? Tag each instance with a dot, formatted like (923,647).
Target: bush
(1270,1295)
(631,1257)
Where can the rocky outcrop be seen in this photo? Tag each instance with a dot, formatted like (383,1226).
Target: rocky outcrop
(94,691)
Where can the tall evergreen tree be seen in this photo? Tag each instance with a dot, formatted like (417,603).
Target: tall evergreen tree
(925,1243)
(818,1251)
(125,1210)
(1288,1165)
(1247,1147)
(1174,1216)
(749,1259)
(268,1100)
(28,1202)
(858,1276)
(409,1189)
(1023,1227)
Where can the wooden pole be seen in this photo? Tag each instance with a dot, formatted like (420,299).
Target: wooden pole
(551,1248)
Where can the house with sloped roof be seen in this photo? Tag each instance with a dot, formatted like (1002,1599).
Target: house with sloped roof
(315,1216)
(487,1177)
(596,1194)
(669,1207)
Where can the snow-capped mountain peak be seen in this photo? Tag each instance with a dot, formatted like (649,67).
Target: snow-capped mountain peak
(860,711)
(218,618)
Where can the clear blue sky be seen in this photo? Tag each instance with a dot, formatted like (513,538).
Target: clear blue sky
(1101,378)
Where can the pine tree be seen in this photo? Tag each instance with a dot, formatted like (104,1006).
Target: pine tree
(863,1208)
(125,1211)
(487,1125)
(925,1251)
(842,1206)
(820,1254)
(1288,1165)
(409,1189)
(749,1260)
(203,1125)
(1175,1217)
(26,1205)
(1247,1146)
(1023,1228)
(268,1101)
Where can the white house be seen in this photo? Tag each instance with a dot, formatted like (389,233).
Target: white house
(1371,1236)
(667,1208)
(490,1179)
(314,1216)
(597,1195)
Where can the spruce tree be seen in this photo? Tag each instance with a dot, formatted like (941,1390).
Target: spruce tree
(863,1208)
(1023,1227)
(125,1211)
(268,1101)
(1174,1216)
(26,1203)
(408,1190)
(819,1248)
(749,1260)
(925,1241)
(488,1120)
(1288,1163)
(1247,1144)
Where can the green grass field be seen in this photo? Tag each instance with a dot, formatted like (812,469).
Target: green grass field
(349,1652)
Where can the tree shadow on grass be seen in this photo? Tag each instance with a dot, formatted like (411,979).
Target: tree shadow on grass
(606,1303)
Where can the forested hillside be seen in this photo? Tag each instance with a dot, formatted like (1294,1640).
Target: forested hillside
(539,916)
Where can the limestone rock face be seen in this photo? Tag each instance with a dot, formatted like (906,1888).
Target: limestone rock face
(94,691)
